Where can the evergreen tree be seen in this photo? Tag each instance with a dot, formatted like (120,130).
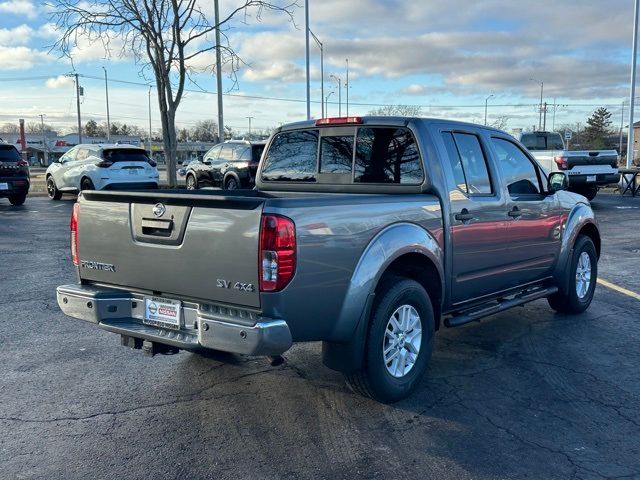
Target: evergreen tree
(597,129)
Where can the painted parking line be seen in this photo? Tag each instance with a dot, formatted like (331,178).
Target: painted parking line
(618,289)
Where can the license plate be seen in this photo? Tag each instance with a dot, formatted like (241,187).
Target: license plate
(4,186)
(162,312)
(133,171)
(591,178)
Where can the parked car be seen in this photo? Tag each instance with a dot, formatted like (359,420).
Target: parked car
(14,175)
(588,170)
(182,171)
(101,167)
(368,234)
(229,165)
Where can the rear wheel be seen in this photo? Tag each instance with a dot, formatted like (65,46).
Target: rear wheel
(399,342)
(231,184)
(192,183)
(52,189)
(589,192)
(17,199)
(582,279)
(86,184)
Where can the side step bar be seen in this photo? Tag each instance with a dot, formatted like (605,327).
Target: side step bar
(475,314)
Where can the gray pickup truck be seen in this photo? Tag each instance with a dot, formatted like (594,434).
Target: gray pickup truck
(368,234)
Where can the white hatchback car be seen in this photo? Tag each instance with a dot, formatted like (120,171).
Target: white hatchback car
(101,167)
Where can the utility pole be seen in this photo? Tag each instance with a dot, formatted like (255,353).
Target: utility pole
(339,80)
(45,153)
(321,68)
(249,118)
(106,92)
(78,105)
(149,119)
(486,106)
(219,74)
(544,121)
(306,39)
(555,107)
(621,128)
(347,85)
(632,95)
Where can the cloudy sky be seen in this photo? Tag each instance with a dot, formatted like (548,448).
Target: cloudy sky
(444,56)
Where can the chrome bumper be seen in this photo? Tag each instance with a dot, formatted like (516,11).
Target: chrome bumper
(203,326)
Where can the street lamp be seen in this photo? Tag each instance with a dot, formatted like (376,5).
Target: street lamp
(106,93)
(326,102)
(149,119)
(541,107)
(632,93)
(486,104)
(319,43)
(347,86)
(339,81)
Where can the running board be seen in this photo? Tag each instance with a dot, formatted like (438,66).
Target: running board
(475,314)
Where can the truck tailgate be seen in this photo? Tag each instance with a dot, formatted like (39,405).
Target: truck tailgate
(201,246)
(596,157)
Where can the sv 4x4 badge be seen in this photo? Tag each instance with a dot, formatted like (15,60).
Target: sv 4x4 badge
(243,287)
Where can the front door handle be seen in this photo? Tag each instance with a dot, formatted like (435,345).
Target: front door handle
(515,213)
(464,215)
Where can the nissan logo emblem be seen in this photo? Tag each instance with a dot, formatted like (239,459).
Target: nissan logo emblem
(159,209)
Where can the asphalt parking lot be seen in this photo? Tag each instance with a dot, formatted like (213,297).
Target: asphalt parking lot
(525,394)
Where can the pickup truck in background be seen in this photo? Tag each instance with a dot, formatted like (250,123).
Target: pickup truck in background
(368,234)
(588,170)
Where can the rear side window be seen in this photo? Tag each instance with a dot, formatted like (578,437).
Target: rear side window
(387,155)
(518,171)
(336,154)
(124,155)
(256,152)
(292,157)
(474,163)
(454,159)
(9,153)
(542,141)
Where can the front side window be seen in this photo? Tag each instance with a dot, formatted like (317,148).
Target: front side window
(82,154)
(292,157)
(336,154)
(474,163)
(212,154)
(518,171)
(387,155)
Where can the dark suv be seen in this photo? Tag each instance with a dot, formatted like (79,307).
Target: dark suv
(14,175)
(229,165)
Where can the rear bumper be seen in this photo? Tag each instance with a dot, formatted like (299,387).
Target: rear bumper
(131,185)
(17,186)
(203,326)
(600,180)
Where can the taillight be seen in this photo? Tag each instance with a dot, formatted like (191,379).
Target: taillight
(561,162)
(339,121)
(277,252)
(73,226)
(152,163)
(104,164)
(22,163)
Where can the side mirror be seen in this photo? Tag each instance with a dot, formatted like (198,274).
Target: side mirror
(557,181)
(207,162)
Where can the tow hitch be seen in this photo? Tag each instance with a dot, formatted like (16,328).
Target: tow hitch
(149,348)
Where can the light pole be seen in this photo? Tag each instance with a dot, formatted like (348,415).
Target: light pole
(326,102)
(45,156)
(250,118)
(486,106)
(339,80)
(306,39)
(346,86)
(78,90)
(319,43)
(632,95)
(219,74)
(541,95)
(106,93)
(149,119)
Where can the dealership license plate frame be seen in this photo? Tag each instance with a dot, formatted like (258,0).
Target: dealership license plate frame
(591,178)
(157,312)
(4,186)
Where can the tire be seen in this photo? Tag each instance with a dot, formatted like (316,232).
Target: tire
(17,200)
(382,378)
(192,183)
(580,294)
(86,184)
(589,192)
(52,189)
(231,184)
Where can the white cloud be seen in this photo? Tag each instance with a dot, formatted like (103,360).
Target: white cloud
(19,35)
(21,58)
(415,89)
(19,7)
(61,81)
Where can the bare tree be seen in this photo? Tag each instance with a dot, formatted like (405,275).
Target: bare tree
(164,36)
(204,131)
(9,128)
(500,122)
(397,110)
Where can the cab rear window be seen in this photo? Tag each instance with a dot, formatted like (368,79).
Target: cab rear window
(125,155)
(9,153)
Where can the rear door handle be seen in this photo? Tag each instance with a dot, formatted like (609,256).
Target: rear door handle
(464,215)
(515,213)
